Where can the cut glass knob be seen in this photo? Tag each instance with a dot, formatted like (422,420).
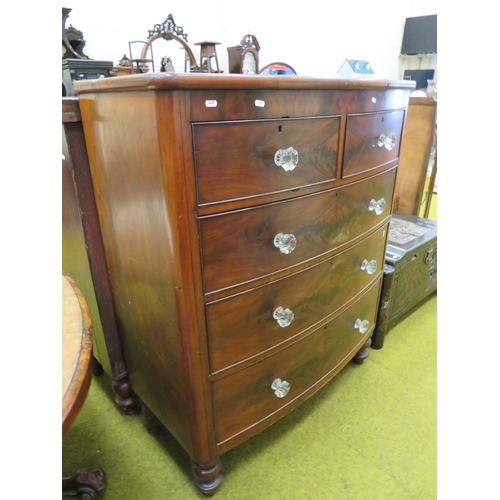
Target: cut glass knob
(370,267)
(286,158)
(378,206)
(283,316)
(388,141)
(285,242)
(362,326)
(280,387)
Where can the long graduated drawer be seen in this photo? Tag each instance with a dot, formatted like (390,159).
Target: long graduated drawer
(254,394)
(249,323)
(245,245)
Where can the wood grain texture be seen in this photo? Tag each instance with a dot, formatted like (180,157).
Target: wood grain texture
(241,104)
(363,131)
(415,153)
(76,351)
(177,81)
(192,261)
(136,148)
(248,392)
(238,246)
(243,326)
(237,159)
(140,241)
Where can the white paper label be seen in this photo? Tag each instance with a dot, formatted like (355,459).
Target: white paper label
(211,104)
(259,103)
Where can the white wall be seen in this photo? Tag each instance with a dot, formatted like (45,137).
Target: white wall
(314,38)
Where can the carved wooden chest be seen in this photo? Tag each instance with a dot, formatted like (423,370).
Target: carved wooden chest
(410,270)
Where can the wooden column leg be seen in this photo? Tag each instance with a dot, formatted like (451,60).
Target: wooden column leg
(124,396)
(363,353)
(207,478)
(87,484)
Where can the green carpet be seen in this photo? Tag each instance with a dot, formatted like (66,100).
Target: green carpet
(369,434)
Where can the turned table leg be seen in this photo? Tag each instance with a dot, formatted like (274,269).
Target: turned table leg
(86,484)
(207,478)
(124,396)
(363,353)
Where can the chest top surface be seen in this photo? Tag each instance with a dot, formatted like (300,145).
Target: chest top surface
(174,81)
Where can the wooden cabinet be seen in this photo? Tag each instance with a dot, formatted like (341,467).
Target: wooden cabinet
(415,154)
(244,220)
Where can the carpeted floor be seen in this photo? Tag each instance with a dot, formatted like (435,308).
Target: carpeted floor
(369,434)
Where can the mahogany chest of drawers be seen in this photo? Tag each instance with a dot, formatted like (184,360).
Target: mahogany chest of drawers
(244,220)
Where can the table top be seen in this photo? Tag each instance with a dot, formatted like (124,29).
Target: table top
(76,351)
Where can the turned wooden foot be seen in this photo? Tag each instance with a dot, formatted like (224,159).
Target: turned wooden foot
(151,421)
(86,484)
(363,353)
(124,396)
(207,478)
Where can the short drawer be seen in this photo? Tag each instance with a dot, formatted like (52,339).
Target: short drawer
(249,393)
(245,245)
(249,323)
(372,140)
(240,159)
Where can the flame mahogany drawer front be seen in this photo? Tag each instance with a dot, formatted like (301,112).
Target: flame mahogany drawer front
(244,221)
(249,323)
(251,104)
(248,393)
(240,159)
(371,140)
(239,247)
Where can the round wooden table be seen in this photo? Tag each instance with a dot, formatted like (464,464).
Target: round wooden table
(76,377)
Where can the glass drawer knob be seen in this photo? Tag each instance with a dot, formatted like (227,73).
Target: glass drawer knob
(285,242)
(388,141)
(286,158)
(284,317)
(370,267)
(362,326)
(280,387)
(379,206)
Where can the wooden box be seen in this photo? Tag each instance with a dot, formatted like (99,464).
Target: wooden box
(410,270)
